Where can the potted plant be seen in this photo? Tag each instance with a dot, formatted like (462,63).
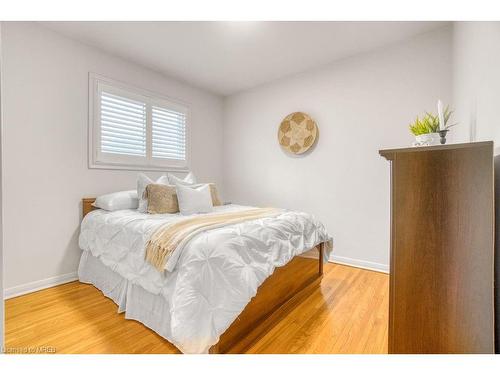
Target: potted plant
(430,130)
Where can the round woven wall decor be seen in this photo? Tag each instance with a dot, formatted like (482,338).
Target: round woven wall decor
(297,132)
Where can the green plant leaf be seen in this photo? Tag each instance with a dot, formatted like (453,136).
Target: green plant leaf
(429,123)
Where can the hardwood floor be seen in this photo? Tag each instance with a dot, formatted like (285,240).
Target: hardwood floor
(348,313)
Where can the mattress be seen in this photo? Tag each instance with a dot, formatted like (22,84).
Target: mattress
(215,276)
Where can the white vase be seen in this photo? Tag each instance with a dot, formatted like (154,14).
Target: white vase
(429,139)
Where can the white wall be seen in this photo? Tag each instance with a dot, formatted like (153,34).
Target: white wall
(476,94)
(361,104)
(45,146)
(476,80)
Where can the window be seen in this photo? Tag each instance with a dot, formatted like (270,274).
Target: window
(134,129)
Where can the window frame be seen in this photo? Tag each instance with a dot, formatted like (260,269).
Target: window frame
(101,160)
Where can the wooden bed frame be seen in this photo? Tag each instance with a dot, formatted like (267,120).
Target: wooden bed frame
(280,290)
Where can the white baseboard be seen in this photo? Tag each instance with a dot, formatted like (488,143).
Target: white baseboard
(372,266)
(39,285)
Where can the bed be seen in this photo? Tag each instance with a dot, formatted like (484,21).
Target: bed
(224,284)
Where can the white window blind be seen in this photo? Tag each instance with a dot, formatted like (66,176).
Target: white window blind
(169,133)
(134,129)
(123,125)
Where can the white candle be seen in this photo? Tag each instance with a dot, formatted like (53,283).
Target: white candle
(440,115)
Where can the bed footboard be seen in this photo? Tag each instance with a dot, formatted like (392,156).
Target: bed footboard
(282,289)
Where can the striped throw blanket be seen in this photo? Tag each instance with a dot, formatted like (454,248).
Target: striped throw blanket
(166,239)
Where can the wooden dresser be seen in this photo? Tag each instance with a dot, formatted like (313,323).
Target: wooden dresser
(442,249)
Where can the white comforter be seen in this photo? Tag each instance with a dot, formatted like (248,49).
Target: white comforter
(217,273)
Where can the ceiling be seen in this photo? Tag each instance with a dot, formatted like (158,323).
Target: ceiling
(227,57)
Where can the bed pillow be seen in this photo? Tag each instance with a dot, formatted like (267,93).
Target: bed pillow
(142,182)
(121,200)
(190,179)
(162,199)
(215,195)
(194,200)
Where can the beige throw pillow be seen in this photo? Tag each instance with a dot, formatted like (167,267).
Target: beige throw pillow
(142,182)
(215,195)
(162,199)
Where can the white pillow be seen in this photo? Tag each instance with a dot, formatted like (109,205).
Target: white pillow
(142,182)
(121,200)
(190,179)
(194,200)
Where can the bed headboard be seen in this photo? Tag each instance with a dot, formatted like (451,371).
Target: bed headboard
(87,206)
